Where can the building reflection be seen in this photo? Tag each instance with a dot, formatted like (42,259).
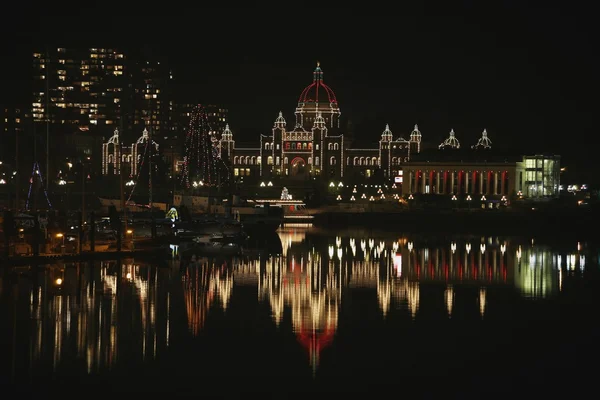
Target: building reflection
(313,271)
(204,285)
(96,314)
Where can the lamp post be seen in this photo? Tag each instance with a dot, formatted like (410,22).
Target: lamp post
(130,233)
(62,247)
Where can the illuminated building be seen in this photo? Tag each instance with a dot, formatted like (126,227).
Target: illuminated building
(82,95)
(12,123)
(480,175)
(118,158)
(315,145)
(116,155)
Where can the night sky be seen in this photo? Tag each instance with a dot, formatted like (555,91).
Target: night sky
(527,75)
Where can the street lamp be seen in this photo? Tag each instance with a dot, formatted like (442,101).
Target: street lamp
(61,236)
(130,232)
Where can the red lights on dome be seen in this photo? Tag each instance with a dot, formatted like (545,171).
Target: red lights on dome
(317,91)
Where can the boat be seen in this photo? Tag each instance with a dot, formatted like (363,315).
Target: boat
(207,225)
(256,217)
(259,218)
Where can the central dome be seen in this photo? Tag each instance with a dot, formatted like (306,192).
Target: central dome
(318,103)
(317,91)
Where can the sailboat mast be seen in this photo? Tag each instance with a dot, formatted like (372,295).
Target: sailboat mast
(18,176)
(121,183)
(150,169)
(47,125)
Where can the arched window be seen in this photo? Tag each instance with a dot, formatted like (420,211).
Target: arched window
(293,146)
(361,161)
(310,145)
(356,161)
(304,146)
(270,160)
(309,160)
(110,158)
(299,146)
(394,160)
(316,160)
(329,146)
(332,161)
(235,160)
(258,159)
(317,147)
(336,146)
(267,146)
(285,160)
(253,160)
(287,145)
(374,161)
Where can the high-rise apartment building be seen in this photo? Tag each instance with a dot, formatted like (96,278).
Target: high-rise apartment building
(149,99)
(217,118)
(81,95)
(12,123)
(79,90)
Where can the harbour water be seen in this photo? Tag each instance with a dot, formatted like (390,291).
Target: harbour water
(313,310)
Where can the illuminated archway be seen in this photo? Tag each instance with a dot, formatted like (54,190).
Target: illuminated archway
(298,167)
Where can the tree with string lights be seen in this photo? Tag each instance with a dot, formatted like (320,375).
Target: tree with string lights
(202,163)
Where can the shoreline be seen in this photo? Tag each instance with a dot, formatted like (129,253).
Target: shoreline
(510,222)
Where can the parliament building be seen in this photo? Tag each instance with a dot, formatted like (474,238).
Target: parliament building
(315,147)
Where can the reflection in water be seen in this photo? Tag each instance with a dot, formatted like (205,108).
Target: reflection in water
(95,315)
(203,283)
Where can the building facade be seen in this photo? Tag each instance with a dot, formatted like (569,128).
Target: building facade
(476,173)
(315,146)
(118,158)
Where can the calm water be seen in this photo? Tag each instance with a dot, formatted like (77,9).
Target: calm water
(313,311)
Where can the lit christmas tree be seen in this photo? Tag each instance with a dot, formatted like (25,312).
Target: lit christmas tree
(285,194)
(202,162)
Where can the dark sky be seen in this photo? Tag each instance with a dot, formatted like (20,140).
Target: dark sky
(528,75)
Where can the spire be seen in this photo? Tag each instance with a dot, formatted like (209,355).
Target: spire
(280,121)
(386,136)
(318,73)
(415,135)
(227,134)
(451,142)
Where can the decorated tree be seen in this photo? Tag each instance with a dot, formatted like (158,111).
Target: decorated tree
(285,195)
(202,163)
